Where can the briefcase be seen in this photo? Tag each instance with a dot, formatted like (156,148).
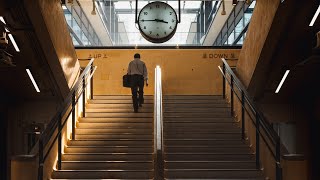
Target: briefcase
(126,80)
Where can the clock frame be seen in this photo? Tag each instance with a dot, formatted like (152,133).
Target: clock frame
(157,22)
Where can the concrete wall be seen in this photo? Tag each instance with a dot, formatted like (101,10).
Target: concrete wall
(184,71)
(262,19)
(52,30)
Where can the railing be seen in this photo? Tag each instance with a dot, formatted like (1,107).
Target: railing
(158,126)
(53,132)
(263,128)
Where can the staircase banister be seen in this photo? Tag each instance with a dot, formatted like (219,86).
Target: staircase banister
(266,126)
(52,126)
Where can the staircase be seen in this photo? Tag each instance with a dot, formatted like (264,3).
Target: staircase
(112,142)
(202,141)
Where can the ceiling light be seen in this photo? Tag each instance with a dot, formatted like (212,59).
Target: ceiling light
(315,16)
(1,19)
(14,42)
(282,80)
(234,2)
(64,7)
(32,80)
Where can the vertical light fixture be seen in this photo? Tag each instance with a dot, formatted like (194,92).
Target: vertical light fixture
(223,12)
(32,79)
(2,20)
(282,81)
(315,16)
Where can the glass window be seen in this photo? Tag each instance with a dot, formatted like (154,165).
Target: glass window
(231,38)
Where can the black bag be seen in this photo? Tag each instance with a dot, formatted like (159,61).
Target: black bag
(126,80)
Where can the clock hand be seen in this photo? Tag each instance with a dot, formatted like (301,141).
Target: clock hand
(160,20)
(157,20)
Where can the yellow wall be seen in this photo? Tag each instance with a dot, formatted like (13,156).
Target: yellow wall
(184,71)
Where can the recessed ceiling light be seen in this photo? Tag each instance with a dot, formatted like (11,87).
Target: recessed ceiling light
(14,42)
(315,16)
(32,80)
(282,80)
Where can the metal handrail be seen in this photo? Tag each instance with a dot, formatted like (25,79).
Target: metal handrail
(259,121)
(158,126)
(57,123)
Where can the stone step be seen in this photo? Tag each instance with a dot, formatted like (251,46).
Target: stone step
(101,165)
(193,125)
(120,115)
(194,101)
(115,120)
(202,142)
(196,114)
(196,110)
(204,149)
(102,174)
(116,101)
(107,157)
(208,157)
(113,130)
(196,105)
(177,97)
(114,136)
(198,119)
(108,149)
(202,135)
(111,142)
(212,173)
(210,164)
(119,97)
(117,106)
(128,110)
(133,125)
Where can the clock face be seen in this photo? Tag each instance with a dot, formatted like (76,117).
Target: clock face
(157,22)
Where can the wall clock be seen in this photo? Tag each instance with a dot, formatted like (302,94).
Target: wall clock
(157,22)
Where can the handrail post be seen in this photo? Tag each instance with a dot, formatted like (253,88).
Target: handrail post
(73,115)
(91,82)
(40,168)
(257,142)
(84,97)
(223,81)
(278,167)
(231,94)
(59,141)
(242,116)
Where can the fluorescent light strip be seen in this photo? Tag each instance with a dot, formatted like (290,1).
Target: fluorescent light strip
(282,80)
(14,43)
(1,19)
(32,80)
(315,16)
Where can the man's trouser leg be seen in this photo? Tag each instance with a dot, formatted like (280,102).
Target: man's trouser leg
(134,88)
(141,85)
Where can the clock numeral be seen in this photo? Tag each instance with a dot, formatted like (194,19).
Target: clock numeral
(171,13)
(157,34)
(157,6)
(150,7)
(172,20)
(165,32)
(170,27)
(144,27)
(150,32)
(145,13)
